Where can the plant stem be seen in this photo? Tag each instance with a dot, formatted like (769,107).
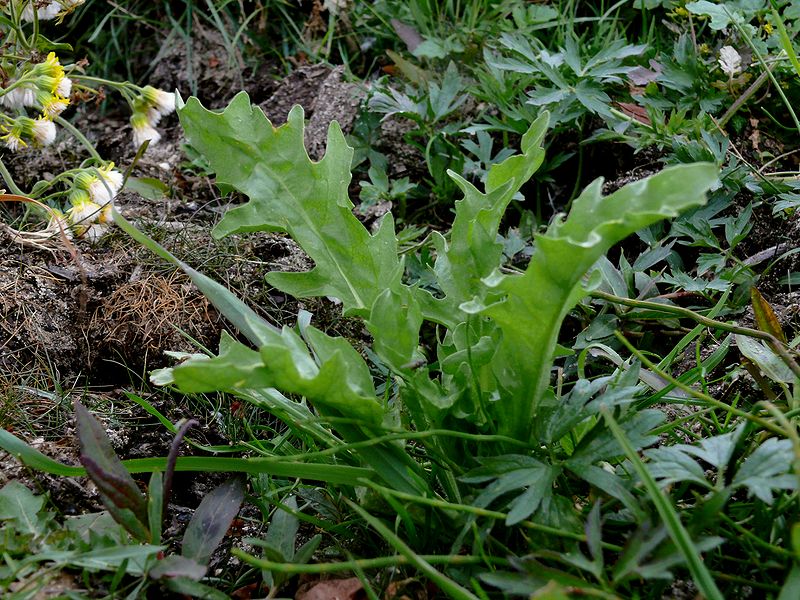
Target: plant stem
(767,69)
(774,343)
(743,531)
(748,93)
(483,512)
(9,180)
(362,563)
(699,395)
(80,137)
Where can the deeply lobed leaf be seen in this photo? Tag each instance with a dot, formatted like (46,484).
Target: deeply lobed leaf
(291,193)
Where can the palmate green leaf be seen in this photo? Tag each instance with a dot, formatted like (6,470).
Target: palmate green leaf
(600,444)
(687,547)
(536,302)
(670,465)
(530,479)
(768,468)
(290,193)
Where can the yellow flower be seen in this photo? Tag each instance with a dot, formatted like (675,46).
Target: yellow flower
(54,106)
(13,140)
(50,67)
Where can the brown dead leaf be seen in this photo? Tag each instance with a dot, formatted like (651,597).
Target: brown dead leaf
(332,589)
(766,319)
(635,111)
(407,589)
(755,135)
(247,592)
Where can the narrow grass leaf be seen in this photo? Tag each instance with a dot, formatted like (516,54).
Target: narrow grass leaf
(334,474)
(155,506)
(34,459)
(786,44)
(448,586)
(669,516)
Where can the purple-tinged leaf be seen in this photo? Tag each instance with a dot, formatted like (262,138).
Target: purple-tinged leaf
(173,458)
(643,75)
(410,36)
(211,520)
(118,490)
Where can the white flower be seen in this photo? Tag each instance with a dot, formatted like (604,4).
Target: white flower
(43,131)
(83,213)
(105,216)
(143,130)
(730,61)
(104,189)
(64,88)
(153,116)
(13,141)
(45,13)
(335,6)
(54,106)
(24,95)
(163,102)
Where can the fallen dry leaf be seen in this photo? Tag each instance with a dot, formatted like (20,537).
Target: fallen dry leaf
(332,589)
(634,110)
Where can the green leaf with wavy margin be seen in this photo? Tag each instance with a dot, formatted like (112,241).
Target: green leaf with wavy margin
(535,303)
(334,376)
(473,251)
(291,193)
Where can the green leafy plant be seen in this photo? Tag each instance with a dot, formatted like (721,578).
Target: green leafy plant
(567,82)
(36,547)
(433,107)
(140,515)
(486,386)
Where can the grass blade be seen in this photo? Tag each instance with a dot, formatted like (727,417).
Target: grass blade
(702,578)
(447,585)
(335,474)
